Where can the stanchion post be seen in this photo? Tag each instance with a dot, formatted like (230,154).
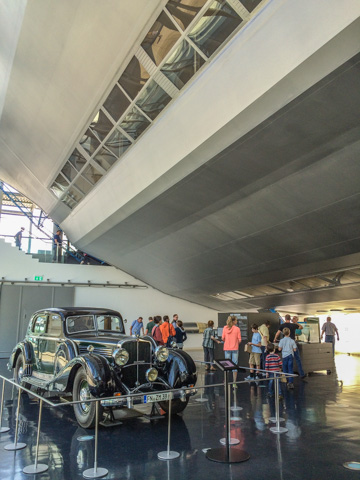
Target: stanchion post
(277,429)
(16,445)
(2,429)
(226,455)
(37,467)
(96,472)
(228,440)
(168,455)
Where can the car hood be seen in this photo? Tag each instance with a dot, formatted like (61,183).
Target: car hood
(108,339)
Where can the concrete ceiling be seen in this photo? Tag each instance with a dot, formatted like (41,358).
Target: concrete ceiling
(276,203)
(280,203)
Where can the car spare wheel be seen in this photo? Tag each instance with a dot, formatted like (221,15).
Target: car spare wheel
(84,411)
(177,405)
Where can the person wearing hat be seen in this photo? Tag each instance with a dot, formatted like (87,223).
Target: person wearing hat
(18,238)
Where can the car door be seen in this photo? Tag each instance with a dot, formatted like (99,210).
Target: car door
(49,343)
(38,329)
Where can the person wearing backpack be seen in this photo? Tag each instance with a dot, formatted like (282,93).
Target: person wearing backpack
(167,331)
(156,332)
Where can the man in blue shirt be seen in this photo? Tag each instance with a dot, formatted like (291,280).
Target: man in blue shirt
(137,326)
(255,354)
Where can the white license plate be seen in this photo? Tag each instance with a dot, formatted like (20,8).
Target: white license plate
(157,397)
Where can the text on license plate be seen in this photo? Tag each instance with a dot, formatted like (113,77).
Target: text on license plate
(157,397)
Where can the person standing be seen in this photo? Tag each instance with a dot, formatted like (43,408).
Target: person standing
(329,329)
(57,246)
(180,334)
(174,320)
(264,332)
(156,332)
(254,359)
(288,346)
(167,330)
(209,346)
(150,325)
(232,337)
(302,374)
(292,327)
(273,364)
(137,326)
(18,238)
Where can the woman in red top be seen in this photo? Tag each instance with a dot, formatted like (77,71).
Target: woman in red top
(232,338)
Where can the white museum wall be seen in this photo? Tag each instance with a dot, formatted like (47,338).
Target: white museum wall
(17,266)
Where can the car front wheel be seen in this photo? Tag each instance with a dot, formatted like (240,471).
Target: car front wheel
(85,412)
(19,372)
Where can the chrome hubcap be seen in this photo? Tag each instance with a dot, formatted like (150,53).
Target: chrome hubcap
(20,374)
(84,394)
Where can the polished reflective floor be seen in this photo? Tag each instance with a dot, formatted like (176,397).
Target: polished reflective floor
(321,415)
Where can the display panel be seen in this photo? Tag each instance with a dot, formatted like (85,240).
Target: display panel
(226,364)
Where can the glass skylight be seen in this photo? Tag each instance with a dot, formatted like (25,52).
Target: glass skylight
(178,44)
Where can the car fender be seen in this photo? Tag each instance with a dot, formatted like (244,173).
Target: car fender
(98,371)
(25,349)
(181,369)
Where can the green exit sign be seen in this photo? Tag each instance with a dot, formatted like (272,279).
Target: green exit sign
(39,278)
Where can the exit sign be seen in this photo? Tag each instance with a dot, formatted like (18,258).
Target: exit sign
(39,278)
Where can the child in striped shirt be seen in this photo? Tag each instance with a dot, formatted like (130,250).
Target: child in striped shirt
(273,364)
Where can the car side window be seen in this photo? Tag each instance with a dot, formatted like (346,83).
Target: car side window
(55,326)
(80,323)
(109,323)
(40,324)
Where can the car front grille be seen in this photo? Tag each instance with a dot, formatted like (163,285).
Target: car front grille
(140,356)
(104,351)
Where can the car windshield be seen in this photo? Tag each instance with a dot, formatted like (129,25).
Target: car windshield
(80,323)
(109,323)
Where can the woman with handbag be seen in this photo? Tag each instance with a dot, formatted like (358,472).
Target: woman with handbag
(232,337)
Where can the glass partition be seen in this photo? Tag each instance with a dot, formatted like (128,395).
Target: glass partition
(134,78)
(69,172)
(117,143)
(182,64)
(134,123)
(116,103)
(77,160)
(218,22)
(59,186)
(160,38)
(92,174)
(101,125)
(153,99)
(89,142)
(184,11)
(179,43)
(105,158)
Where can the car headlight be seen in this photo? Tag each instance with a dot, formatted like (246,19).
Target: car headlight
(121,356)
(151,374)
(161,354)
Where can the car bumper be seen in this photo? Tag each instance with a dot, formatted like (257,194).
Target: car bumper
(129,402)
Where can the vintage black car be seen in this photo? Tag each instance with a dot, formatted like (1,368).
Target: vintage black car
(85,353)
